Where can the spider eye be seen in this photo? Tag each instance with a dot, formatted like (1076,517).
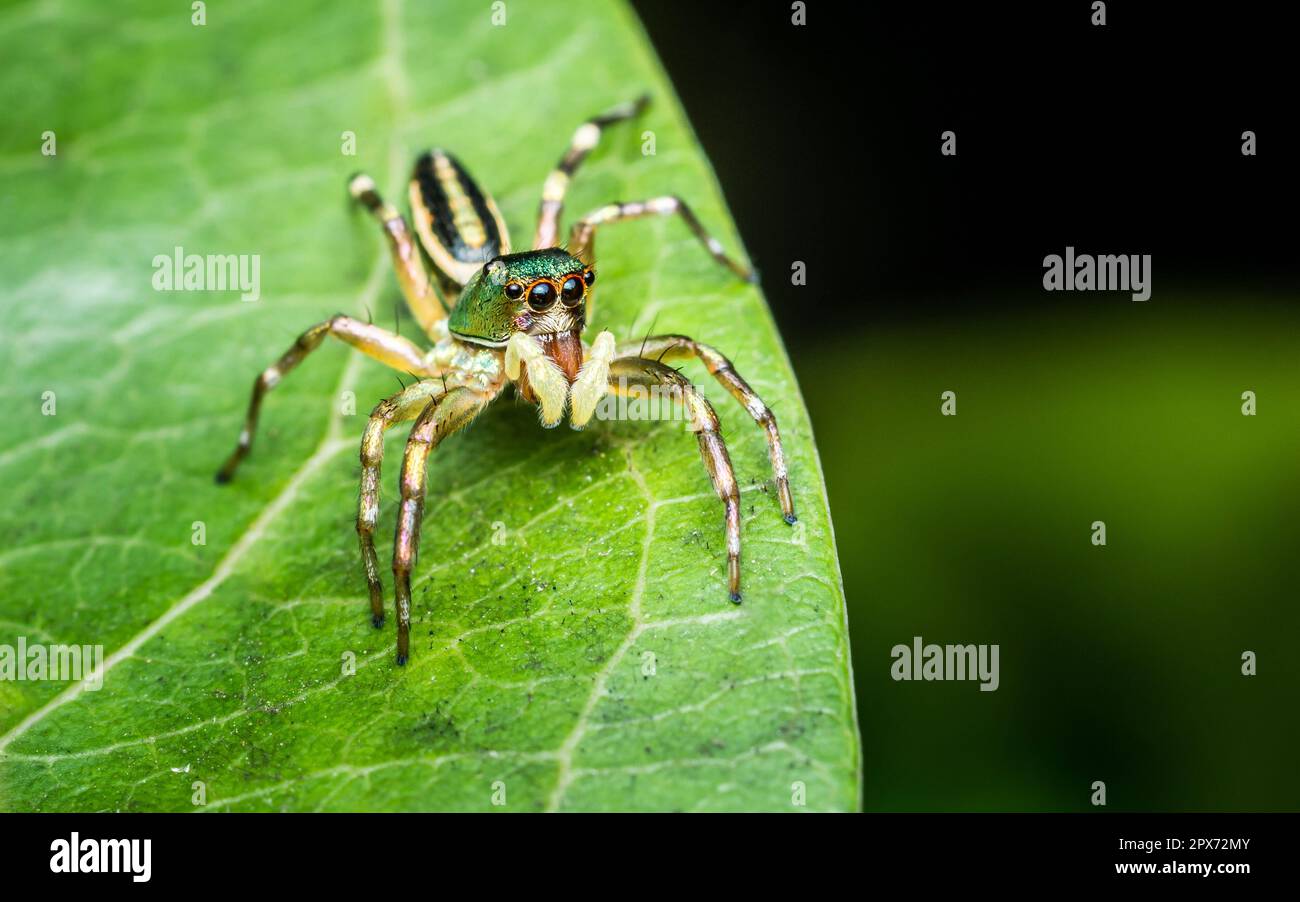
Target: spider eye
(589,277)
(572,291)
(541,296)
(514,291)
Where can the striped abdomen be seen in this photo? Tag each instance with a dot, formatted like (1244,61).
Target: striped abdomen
(457,222)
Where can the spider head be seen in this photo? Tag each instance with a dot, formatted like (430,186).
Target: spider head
(543,293)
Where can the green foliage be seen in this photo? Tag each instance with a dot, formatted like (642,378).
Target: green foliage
(585,659)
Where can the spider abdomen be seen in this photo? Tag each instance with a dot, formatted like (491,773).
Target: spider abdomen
(458,223)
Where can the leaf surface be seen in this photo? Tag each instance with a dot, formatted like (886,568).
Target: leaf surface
(573,647)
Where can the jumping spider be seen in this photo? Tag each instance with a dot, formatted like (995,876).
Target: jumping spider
(517,318)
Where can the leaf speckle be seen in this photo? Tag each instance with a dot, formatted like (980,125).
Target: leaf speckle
(233,655)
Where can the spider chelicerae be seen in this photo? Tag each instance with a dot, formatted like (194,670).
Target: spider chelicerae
(517,318)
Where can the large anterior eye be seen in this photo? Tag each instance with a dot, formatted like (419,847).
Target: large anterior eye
(542,296)
(572,290)
(514,291)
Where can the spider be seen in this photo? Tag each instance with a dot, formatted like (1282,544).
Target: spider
(517,318)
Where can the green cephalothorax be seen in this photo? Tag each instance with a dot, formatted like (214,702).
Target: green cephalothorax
(542,292)
(517,321)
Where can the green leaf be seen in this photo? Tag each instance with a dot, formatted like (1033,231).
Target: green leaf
(590,660)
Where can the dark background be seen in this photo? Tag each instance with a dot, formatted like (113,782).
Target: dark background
(1122,663)
(1119,138)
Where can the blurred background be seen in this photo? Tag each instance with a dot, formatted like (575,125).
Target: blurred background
(924,275)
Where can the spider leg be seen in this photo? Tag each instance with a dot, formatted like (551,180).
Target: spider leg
(405,405)
(440,418)
(557,183)
(582,236)
(384,346)
(422,296)
(676,347)
(633,375)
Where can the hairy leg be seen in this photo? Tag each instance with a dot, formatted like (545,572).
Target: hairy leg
(557,183)
(405,405)
(677,347)
(384,346)
(440,418)
(422,297)
(582,236)
(636,374)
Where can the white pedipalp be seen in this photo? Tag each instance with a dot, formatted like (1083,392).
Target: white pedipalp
(544,375)
(592,382)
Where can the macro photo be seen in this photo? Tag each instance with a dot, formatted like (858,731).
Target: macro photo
(432,407)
